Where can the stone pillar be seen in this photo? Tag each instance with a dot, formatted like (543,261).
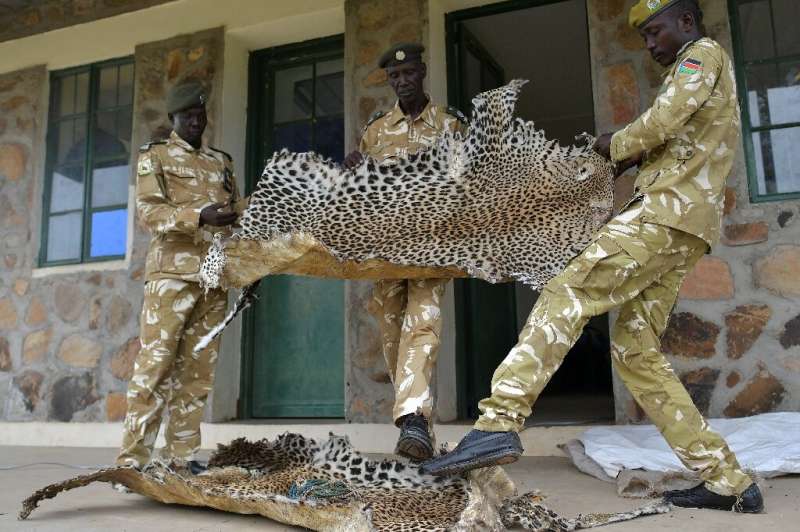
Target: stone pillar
(371,26)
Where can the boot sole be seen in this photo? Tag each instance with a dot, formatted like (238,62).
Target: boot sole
(413,450)
(505,457)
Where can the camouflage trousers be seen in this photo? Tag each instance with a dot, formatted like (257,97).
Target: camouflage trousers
(637,267)
(175,315)
(410,319)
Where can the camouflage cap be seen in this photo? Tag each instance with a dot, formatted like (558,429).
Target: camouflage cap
(186,95)
(401,53)
(645,10)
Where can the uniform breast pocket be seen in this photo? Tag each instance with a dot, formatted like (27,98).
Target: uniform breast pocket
(183,184)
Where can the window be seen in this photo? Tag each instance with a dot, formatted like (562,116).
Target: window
(302,107)
(87,168)
(768,69)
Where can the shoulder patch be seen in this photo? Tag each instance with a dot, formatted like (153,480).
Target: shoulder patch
(226,154)
(145,165)
(456,113)
(690,66)
(375,116)
(146,146)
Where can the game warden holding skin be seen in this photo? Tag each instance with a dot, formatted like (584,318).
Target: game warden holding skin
(409,310)
(684,145)
(185,192)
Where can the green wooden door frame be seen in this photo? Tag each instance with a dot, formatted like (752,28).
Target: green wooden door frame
(259,140)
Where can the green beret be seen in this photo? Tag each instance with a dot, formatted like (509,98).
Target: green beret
(646,10)
(185,95)
(401,53)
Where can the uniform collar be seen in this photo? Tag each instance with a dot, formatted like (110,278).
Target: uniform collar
(686,47)
(176,139)
(396,115)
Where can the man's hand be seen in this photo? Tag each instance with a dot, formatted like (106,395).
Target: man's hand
(215,215)
(623,166)
(352,160)
(602,145)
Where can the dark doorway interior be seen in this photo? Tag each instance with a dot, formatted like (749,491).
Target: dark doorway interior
(546,42)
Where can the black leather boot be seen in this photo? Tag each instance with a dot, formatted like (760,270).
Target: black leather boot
(477,449)
(749,502)
(415,440)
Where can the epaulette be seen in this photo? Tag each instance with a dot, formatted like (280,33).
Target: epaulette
(226,154)
(147,145)
(456,113)
(376,115)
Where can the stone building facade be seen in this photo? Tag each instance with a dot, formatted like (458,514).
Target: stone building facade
(68,335)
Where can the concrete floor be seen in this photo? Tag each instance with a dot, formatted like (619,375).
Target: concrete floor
(99,508)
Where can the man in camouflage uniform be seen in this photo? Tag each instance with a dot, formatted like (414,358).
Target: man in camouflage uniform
(185,192)
(637,263)
(409,310)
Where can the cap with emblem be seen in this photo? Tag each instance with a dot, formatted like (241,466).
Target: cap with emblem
(646,10)
(185,95)
(401,53)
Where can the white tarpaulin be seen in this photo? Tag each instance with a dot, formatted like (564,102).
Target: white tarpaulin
(768,444)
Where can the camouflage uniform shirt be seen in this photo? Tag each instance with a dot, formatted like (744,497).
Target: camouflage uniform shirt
(174,183)
(689,137)
(394,135)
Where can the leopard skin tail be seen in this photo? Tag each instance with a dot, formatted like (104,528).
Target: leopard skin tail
(527,512)
(113,474)
(245,299)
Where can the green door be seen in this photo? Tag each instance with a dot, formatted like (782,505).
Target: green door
(294,340)
(485,313)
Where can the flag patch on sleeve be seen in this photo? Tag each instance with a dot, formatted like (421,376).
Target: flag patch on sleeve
(690,66)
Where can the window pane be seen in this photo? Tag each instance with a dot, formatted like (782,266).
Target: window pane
(330,137)
(110,185)
(125,127)
(774,93)
(66,87)
(293,94)
(82,93)
(330,87)
(67,189)
(756,30)
(126,84)
(294,137)
(64,237)
(106,143)
(777,160)
(787,16)
(71,148)
(107,89)
(109,230)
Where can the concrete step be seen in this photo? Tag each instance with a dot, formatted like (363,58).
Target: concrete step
(366,437)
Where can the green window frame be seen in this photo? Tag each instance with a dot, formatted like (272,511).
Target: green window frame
(87,164)
(754,67)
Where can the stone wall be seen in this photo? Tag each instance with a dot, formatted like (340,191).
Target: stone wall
(734,337)
(371,27)
(33,17)
(68,340)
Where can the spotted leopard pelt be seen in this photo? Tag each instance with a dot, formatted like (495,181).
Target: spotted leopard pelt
(500,203)
(348,491)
